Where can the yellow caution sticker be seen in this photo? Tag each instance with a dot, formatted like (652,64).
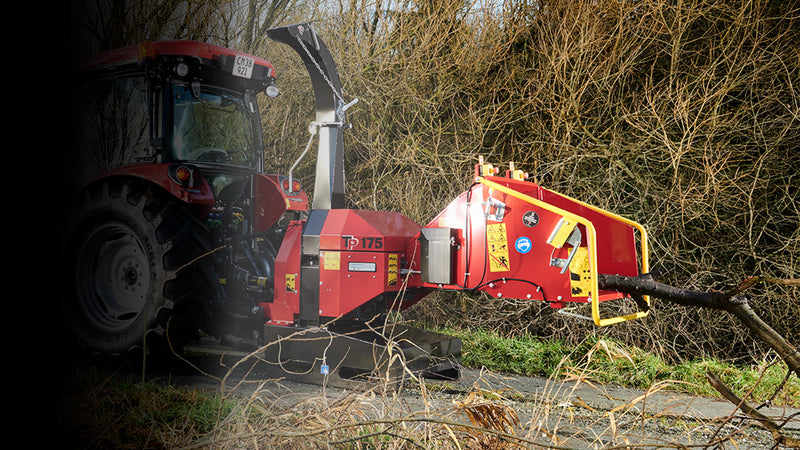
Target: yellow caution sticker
(291,282)
(580,278)
(331,260)
(391,270)
(497,243)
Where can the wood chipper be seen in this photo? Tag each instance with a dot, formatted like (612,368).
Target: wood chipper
(181,231)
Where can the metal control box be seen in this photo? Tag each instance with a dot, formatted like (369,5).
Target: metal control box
(437,255)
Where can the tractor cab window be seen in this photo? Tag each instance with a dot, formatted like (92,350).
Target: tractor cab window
(110,125)
(214,126)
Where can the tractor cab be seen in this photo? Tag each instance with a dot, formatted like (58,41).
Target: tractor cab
(172,102)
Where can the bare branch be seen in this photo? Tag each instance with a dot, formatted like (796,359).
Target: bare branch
(760,418)
(732,301)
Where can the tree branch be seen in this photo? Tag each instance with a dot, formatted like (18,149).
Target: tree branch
(764,421)
(732,301)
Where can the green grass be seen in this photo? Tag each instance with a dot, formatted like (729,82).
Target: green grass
(608,361)
(114,410)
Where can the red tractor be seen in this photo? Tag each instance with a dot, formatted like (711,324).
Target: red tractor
(179,229)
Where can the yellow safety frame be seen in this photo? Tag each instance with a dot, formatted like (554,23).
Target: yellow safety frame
(592,244)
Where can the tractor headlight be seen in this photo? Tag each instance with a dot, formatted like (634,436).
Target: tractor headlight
(182,69)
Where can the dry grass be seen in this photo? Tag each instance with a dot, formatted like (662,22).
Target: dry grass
(109,411)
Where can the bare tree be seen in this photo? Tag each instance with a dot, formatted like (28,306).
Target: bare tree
(98,25)
(263,15)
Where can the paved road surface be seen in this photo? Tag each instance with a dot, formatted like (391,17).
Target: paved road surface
(569,414)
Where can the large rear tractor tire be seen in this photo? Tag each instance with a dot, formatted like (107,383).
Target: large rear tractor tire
(135,273)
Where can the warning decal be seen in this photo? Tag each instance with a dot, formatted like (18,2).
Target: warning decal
(579,274)
(331,260)
(497,244)
(290,282)
(391,271)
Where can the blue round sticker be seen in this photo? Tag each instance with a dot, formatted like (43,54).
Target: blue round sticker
(523,245)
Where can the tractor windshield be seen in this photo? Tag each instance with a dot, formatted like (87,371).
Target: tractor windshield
(215,126)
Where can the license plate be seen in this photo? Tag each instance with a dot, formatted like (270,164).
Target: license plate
(243,66)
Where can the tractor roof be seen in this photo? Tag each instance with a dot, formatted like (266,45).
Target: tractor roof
(211,55)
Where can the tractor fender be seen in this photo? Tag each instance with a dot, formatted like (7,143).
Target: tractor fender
(196,193)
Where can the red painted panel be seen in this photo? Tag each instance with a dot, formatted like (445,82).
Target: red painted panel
(361,253)
(271,201)
(359,230)
(507,255)
(349,279)
(147,50)
(287,278)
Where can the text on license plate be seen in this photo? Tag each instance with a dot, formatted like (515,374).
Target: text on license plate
(243,66)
